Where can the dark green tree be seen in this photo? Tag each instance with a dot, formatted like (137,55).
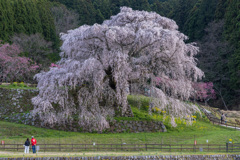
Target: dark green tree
(200,15)
(33,17)
(47,22)
(221,9)
(180,11)
(99,16)
(6,20)
(232,33)
(20,15)
(140,5)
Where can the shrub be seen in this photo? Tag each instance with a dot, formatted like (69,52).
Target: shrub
(139,101)
(15,84)
(22,84)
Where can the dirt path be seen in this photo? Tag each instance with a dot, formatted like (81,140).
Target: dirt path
(237,128)
(4,154)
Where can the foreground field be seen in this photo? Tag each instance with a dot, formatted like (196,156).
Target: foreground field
(201,131)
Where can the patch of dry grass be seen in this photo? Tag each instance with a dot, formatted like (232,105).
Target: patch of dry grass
(232,114)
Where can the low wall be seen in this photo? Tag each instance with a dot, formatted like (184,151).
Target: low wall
(16,104)
(137,126)
(115,126)
(159,157)
(16,100)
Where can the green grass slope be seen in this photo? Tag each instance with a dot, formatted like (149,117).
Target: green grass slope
(201,131)
(16,85)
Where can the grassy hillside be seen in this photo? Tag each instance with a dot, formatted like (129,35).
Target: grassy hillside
(201,130)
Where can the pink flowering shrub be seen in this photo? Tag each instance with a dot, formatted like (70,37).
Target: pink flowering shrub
(201,90)
(12,66)
(54,65)
(204,91)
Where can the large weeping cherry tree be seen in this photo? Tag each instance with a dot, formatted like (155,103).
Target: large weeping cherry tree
(100,64)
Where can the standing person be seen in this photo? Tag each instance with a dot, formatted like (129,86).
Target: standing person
(27,143)
(222,118)
(34,142)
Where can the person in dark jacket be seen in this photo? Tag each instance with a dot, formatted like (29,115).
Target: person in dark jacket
(27,143)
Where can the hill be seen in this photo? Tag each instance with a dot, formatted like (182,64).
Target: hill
(201,129)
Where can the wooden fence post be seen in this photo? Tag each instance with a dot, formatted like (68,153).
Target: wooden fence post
(179,147)
(226,147)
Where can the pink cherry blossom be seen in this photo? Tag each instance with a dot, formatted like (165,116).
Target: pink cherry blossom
(12,66)
(102,63)
(204,90)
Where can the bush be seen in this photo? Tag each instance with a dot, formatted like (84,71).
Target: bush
(15,84)
(22,84)
(139,101)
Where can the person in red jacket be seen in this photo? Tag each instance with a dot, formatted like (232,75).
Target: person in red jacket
(34,142)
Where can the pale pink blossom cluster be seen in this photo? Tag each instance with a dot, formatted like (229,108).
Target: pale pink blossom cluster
(101,63)
(204,90)
(12,66)
(54,65)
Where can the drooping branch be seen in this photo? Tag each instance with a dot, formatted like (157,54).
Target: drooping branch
(132,48)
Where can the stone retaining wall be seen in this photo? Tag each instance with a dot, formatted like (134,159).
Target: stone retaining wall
(16,100)
(137,126)
(15,105)
(115,126)
(159,157)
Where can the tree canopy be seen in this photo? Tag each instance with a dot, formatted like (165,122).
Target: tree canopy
(29,17)
(13,66)
(101,62)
